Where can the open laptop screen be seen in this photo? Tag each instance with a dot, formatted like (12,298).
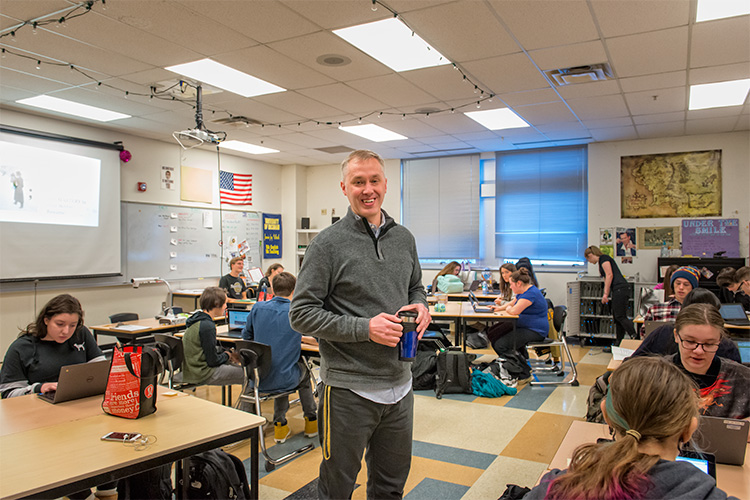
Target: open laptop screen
(732,311)
(237,318)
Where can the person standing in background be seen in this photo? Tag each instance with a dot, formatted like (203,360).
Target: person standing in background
(356,276)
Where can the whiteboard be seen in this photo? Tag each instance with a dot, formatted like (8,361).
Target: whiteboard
(174,242)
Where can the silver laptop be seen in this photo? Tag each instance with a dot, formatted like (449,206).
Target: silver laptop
(650,326)
(236,319)
(477,306)
(734,314)
(79,381)
(726,438)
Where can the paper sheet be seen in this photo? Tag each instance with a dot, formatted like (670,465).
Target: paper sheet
(620,353)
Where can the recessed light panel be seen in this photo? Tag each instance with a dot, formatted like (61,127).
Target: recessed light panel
(245,147)
(373,133)
(719,95)
(392,43)
(497,119)
(709,10)
(224,77)
(72,108)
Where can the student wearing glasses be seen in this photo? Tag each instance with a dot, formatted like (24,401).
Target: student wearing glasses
(729,288)
(723,385)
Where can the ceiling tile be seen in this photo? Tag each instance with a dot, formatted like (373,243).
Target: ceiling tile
(568,56)
(616,18)
(507,74)
(444,82)
(393,90)
(710,126)
(607,87)
(592,108)
(334,14)
(651,102)
(659,118)
(539,114)
(724,41)
(614,133)
(654,130)
(538,96)
(667,51)
(608,122)
(344,98)
(653,82)
(713,74)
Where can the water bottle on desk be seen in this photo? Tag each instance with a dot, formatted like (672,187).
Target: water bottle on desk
(486,277)
(484,288)
(262,294)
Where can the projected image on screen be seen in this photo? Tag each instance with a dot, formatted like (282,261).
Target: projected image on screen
(48,187)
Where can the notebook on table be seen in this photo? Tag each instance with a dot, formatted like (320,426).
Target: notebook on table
(236,319)
(725,438)
(734,314)
(79,381)
(477,306)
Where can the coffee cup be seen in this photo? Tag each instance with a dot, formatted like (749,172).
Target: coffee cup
(407,345)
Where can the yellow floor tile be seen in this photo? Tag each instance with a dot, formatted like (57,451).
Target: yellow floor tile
(540,438)
(503,471)
(566,400)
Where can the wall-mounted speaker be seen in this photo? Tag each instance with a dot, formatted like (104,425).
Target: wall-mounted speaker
(305,223)
(335,219)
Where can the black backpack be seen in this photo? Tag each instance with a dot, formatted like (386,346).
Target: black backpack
(424,369)
(153,484)
(453,372)
(217,474)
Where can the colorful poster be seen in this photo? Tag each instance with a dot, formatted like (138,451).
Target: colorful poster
(608,250)
(625,240)
(605,236)
(707,237)
(653,238)
(271,236)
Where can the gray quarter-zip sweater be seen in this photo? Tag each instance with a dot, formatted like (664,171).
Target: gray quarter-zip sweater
(347,277)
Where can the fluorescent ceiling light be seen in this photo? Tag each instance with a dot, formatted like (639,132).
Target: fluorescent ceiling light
(497,119)
(218,75)
(391,42)
(72,108)
(719,95)
(246,148)
(373,133)
(709,10)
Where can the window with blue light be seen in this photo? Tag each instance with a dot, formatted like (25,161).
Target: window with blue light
(541,205)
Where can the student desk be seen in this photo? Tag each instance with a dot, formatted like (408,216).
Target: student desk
(733,479)
(188,299)
(468,314)
(627,344)
(147,327)
(452,312)
(54,450)
(734,331)
(464,296)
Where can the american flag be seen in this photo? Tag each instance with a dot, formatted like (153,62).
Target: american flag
(236,189)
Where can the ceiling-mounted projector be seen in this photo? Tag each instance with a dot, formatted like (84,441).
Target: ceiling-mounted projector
(192,138)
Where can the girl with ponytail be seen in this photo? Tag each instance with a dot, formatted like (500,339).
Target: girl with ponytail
(652,408)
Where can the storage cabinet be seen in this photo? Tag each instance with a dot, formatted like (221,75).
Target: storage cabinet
(304,237)
(587,316)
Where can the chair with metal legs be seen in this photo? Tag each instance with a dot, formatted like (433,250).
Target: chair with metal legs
(558,319)
(256,361)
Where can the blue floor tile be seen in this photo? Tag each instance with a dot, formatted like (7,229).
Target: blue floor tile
(452,455)
(530,397)
(431,489)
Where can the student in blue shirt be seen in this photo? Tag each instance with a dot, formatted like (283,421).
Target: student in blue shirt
(268,323)
(532,324)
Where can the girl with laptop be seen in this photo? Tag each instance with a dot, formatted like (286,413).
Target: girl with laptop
(640,462)
(506,294)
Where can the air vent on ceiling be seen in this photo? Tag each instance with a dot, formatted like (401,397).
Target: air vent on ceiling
(335,149)
(580,74)
(235,121)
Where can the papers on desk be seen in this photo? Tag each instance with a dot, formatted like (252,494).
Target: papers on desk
(620,353)
(196,291)
(130,328)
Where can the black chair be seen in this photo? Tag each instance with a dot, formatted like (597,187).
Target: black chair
(173,363)
(256,361)
(120,317)
(558,319)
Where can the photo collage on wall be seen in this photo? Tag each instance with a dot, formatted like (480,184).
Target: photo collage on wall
(619,242)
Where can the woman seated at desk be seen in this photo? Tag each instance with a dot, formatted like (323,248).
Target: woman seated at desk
(506,294)
(32,364)
(640,462)
(532,325)
(450,273)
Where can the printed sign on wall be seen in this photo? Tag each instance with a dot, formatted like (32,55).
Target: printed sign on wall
(706,237)
(271,236)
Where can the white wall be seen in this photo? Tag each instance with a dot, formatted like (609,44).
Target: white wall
(270,188)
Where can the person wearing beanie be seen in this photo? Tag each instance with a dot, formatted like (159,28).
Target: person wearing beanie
(683,281)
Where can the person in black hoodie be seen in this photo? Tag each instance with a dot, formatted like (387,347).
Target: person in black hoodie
(640,462)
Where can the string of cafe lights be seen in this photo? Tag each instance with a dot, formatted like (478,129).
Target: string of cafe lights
(84,8)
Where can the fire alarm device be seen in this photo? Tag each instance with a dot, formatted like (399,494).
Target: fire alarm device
(142,187)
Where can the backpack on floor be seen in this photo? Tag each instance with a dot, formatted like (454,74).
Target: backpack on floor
(154,484)
(477,340)
(217,474)
(453,373)
(597,392)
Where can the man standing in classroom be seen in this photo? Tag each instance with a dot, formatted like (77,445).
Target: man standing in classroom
(356,276)
(233,283)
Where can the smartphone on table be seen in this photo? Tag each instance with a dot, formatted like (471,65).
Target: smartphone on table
(122,437)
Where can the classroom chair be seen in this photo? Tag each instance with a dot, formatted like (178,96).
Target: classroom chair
(120,317)
(173,363)
(256,361)
(558,319)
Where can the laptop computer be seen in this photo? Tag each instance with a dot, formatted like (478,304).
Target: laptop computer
(650,326)
(480,302)
(726,438)
(236,319)
(478,308)
(475,285)
(706,462)
(744,347)
(79,381)
(734,314)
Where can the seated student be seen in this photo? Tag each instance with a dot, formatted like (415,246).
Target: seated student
(450,282)
(206,362)
(234,284)
(268,323)
(661,341)
(652,408)
(266,280)
(32,364)
(525,263)
(532,324)
(724,385)
(666,282)
(683,280)
(506,294)
(729,288)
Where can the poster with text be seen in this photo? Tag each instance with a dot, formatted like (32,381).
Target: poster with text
(167,178)
(706,237)
(271,236)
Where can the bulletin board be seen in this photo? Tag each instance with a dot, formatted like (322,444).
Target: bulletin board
(175,242)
